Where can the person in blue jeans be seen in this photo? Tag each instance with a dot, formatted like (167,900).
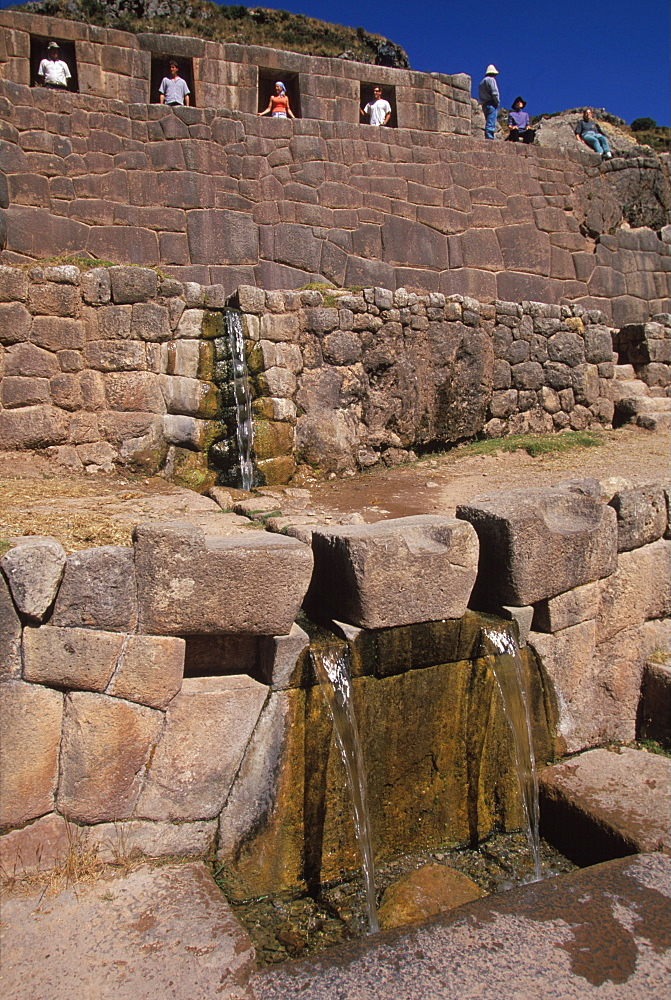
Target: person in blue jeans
(489,99)
(590,132)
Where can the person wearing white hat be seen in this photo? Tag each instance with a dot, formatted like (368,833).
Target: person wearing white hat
(489,99)
(54,72)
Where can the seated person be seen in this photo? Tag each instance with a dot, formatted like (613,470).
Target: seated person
(278,105)
(54,72)
(378,110)
(591,133)
(519,123)
(173,90)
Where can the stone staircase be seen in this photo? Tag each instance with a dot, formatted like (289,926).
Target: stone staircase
(637,403)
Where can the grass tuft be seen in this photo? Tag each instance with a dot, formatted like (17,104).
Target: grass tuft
(535,444)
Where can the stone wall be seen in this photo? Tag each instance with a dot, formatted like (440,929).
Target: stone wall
(117,65)
(160,699)
(224,197)
(120,365)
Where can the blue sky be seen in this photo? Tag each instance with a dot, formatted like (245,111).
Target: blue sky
(558,54)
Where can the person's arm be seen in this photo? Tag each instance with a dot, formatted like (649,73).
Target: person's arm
(386,118)
(364,111)
(289,111)
(496,97)
(186,100)
(161,98)
(266,112)
(511,122)
(161,91)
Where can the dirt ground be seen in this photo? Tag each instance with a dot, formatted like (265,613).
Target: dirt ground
(83,511)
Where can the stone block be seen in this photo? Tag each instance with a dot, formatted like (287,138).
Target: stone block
(189,396)
(135,837)
(10,634)
(341,348)
(106,745)
(133,284)
(17,391)
(167,926)
(409,569)
(96,286)
(115,355)
(217,236)
(53,299)
(28,360)
(15,323)
(37,847)
(556,613)
(98,590)
(33,427)
(149,670)
(133,391)
(641,516)
(83,659)
(191,583)
(640,588)
(150,321)
(612,802)
(535,544)
(598,344)
(207,728)
(524,248)
(54,333)
(31,733)
(14,284)
(281,659)
(34,568)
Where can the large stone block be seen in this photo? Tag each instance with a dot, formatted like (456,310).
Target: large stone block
(535,544)
(106,746)
(31,733)
(34,567)
(641,516)
(37,847)
(79,658)
(217,236)
(98,590)
(639,589)
(149,670)
(33,427)
(190,582)
(10,634)
(409,569)
(208,725)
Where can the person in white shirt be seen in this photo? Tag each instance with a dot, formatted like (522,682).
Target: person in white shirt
(173,89)
(378,111)
(54,72)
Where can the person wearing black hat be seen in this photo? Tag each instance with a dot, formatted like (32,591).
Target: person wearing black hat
(54,72)
(519,123)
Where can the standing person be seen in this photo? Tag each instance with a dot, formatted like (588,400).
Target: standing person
(173,90)
(54,72)
(278,105)
(591,133)
(519,123)
(489,99)
(378,110)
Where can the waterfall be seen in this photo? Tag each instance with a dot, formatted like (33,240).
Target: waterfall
(242,395)
(332,671)
(503,656)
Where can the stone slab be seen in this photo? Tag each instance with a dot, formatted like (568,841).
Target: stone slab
(34,568)
(157,932)
(395,572)
(603,931)
(604,804)
(535,544)
(190,582)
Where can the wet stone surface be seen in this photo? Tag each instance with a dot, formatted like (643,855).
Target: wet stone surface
(287,926)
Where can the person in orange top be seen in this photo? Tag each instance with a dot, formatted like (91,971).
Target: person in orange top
(278,105)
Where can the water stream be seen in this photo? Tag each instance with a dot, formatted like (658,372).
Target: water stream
(243,399)
(503,656)
(331,668)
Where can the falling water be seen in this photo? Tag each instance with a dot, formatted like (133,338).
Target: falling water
(333,674)
(243,401)
(504,657)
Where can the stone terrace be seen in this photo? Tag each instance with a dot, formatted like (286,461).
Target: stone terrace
(225,197)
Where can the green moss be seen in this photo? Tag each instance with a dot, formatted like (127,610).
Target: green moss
(535,444)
